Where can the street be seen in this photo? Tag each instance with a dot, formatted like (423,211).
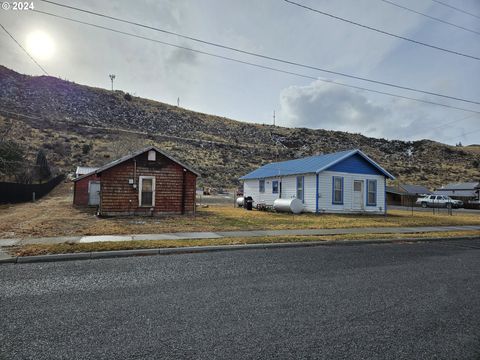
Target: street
(389,301)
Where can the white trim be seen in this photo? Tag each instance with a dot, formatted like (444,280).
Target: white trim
(140,184)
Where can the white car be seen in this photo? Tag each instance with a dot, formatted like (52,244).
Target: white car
(439,201)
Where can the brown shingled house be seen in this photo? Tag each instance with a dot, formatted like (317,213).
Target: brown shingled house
(147,182)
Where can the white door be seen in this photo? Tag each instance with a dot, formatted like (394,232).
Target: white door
(358,195)
(94,193)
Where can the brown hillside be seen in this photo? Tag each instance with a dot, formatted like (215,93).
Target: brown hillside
(77,124)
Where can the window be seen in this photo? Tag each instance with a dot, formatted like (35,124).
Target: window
(275,187)
(300,184)
(146,191)
(261,186)
(337,190)
(371,192)
(152,155)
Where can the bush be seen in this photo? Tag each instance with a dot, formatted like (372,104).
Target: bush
(127,97)
(86,148)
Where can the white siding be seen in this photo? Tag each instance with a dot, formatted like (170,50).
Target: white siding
(289,190)
(325,190)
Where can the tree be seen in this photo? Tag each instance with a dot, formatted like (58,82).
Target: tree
(42,168)
(11,157)
(86,148)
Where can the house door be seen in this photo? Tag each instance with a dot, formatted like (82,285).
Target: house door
(94,193)
(358,195)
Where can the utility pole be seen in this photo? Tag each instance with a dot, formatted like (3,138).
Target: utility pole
(273,117)
(112,77)
(178,102)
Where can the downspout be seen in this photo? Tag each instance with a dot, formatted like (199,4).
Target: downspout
(195,197)
(316,194)
(385,194)
(74,192)
(183,190)
(135,186)
(134,173)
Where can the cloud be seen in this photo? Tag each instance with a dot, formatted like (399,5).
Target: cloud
(325,106)
(182,57)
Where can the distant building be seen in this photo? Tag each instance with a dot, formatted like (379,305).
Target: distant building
(83,170)
(343,182)
(405,194)
(147,182)
(468,192)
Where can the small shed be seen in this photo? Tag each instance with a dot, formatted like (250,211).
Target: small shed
(405,194)
(342,182)
(146,182)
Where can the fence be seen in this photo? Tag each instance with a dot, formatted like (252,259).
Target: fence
(17,193)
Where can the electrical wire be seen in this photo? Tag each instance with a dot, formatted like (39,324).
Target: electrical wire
(456,8)
(258,65)
(26,52)
(381,31)
(430,17)
(288,62)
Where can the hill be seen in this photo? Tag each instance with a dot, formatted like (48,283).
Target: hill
(82,125)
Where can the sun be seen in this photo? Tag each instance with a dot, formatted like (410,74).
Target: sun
(40,45)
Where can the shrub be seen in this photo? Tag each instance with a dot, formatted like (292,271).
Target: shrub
(86,148)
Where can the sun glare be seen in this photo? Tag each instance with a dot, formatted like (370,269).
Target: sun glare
(40,45)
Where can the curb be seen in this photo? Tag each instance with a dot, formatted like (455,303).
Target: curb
(213,248)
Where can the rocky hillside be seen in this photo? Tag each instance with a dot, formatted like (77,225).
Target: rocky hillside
(81,125)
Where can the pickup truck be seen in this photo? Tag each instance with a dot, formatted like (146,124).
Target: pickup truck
(439,201)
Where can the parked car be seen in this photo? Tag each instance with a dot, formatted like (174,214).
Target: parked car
(439,201)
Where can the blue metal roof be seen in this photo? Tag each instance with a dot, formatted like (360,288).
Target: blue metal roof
(311,164)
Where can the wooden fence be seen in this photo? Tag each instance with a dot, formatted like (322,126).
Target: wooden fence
(17,193)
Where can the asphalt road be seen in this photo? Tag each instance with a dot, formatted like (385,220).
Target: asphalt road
(390,301)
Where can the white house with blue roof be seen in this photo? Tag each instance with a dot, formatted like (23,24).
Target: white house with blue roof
(342,182)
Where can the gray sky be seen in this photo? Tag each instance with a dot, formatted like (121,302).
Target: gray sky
(276,28)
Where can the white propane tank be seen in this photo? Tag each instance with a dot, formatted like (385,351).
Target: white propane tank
(240,201)
(288,205)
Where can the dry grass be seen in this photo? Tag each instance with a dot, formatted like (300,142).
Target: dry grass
(42,249)
(55,216)
(472,148)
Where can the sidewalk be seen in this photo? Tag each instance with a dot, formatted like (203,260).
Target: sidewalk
(233,234)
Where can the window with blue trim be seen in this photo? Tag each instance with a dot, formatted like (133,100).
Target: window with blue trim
(275,187)
(371,192)
(337,193)
(300,191)
(261,186)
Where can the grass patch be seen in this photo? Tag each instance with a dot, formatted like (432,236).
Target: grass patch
(64,248)
(54,215)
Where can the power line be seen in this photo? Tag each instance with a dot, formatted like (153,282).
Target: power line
(458,137)
(26,52)
(258,65)
(430,17)
(288,62)
(449,123)
(381,31)
(456,8)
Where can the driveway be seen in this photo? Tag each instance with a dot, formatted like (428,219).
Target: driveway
(391,301)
